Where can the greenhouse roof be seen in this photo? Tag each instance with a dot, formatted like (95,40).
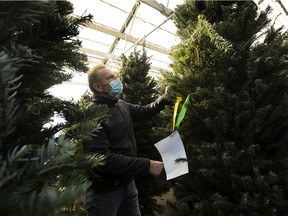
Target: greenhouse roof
(120,26)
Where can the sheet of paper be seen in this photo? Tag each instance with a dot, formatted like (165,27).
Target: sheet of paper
(171,148)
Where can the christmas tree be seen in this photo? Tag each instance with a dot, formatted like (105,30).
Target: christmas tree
(141,88)
(233,64)
(51,37)
(42,169)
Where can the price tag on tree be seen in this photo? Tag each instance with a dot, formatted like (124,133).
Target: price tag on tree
(173,155)
(172,149)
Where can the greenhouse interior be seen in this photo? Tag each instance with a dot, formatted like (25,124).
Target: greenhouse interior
(120,27)
(144,107)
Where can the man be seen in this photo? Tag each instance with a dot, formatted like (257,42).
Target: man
(113,190)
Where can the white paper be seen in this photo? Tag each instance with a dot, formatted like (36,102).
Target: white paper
(171,148)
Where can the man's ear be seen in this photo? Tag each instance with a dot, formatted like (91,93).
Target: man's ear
(97,87)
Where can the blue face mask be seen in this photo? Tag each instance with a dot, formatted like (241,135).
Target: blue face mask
(116,88)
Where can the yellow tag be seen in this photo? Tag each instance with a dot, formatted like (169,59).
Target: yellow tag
(178,100)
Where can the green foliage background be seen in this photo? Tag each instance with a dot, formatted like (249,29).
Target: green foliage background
(234,64)
(42,169)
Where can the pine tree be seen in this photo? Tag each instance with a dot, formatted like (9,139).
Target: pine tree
(42,170)
(52,38)
(141,88)
(233,64)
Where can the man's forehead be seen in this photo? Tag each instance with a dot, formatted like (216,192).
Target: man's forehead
(106,73)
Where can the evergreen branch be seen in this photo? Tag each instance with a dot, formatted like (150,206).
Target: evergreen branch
(49,202)
(181,160)
(7,76)
(82,121)
(10,62)
(36,180)
(53,169)
(47,168)
(15,153)
(218,41)
(15,15)
(4,178)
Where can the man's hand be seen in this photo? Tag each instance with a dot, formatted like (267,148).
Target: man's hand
(156,167)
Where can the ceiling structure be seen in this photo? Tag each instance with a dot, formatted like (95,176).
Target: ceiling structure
(119,27)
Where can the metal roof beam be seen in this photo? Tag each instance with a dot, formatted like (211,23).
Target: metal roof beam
(126,37)
(282,6)
(158,6)
(123,28)
(97,53)
(110,56)
(142,40)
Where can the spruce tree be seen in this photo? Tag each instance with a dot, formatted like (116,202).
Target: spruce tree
(52,38)
(42,170)
(141,88)
(233,63)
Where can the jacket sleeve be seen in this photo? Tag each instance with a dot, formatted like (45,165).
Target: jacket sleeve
(115,164)
(148,110)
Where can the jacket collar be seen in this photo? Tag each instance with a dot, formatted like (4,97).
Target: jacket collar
(102,100)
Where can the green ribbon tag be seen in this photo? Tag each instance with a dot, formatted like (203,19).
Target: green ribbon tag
(182,112)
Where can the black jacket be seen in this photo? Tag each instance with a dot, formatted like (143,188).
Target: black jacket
(115,140)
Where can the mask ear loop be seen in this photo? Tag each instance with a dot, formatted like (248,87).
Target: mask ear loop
(101,84)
